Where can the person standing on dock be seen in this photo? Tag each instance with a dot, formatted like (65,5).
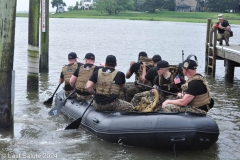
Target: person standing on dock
(82,75)
(67,72)
(108,83)
(224,30)
(195,96)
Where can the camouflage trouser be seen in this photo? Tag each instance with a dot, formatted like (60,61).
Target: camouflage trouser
(67,93)
(118,105)
(175,108)
(147,98)
(130,90)
(82,98)
(225,36)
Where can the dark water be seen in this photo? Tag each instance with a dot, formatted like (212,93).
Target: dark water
(39,136)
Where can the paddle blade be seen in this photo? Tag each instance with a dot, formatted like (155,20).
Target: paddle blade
(49,101)
(56,110)
(75,124)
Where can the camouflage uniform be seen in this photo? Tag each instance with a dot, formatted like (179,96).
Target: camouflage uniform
(82,98)
(225,36)
(117,105)
(67,93)
(129,91)
(198,101)
(175,108)
(147,98)
(130,88)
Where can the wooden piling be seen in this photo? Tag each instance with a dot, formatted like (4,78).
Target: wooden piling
(229,70)
(206,43)
(7,34)
(33,44)
(44,65)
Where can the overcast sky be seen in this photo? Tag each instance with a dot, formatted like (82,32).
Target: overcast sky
(23,5)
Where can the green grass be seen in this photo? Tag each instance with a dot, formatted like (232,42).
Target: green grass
(196,17)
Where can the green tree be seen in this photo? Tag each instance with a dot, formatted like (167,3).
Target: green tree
(76,6)
(123,5)
(114,6)
(106,6)
(169,4)
(221,5)
(139,5)
(70,8)
(58,3)
(152,5)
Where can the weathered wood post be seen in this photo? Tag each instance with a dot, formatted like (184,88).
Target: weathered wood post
(229,70)
(44,65)
(7,34)
(214,53)
(206,44)
(33,44)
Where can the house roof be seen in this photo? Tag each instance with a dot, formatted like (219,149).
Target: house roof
(186,3)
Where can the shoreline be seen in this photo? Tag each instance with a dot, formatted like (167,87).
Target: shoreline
(170,16)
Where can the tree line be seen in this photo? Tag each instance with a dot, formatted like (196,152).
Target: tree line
(116,6)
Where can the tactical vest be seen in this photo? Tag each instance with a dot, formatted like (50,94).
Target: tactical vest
(174,72)
(104,85)
(199,100)
(148,61)
(83,76)
(68,72)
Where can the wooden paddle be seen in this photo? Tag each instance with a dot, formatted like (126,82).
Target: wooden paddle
(49,101)
(56,110)
(154,88)
(75,124)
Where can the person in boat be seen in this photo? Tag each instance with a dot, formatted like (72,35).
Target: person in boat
(166,80)
(108,83)
(67,72)
(224,30)
(82,75)
(196,96)
(148,76)
(135,68)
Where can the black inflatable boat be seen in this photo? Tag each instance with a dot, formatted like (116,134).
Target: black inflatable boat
(153,130)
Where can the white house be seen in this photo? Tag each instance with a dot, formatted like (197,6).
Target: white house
(87,3)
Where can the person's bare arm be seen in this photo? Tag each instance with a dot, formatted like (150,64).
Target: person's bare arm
(60,80)
(72,81)
(89,87)
(187,98)
(144,72)
(128,73)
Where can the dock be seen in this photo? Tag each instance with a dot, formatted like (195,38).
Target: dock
(213,51)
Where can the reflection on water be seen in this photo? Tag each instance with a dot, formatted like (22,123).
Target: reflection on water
(36,133)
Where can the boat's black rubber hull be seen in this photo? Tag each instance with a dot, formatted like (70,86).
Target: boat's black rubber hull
(153,130)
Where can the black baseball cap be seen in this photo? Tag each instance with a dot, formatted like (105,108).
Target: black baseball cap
(72,55)
(111,60)
(90,56)
(156,58)
(162,64)
(142,54)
